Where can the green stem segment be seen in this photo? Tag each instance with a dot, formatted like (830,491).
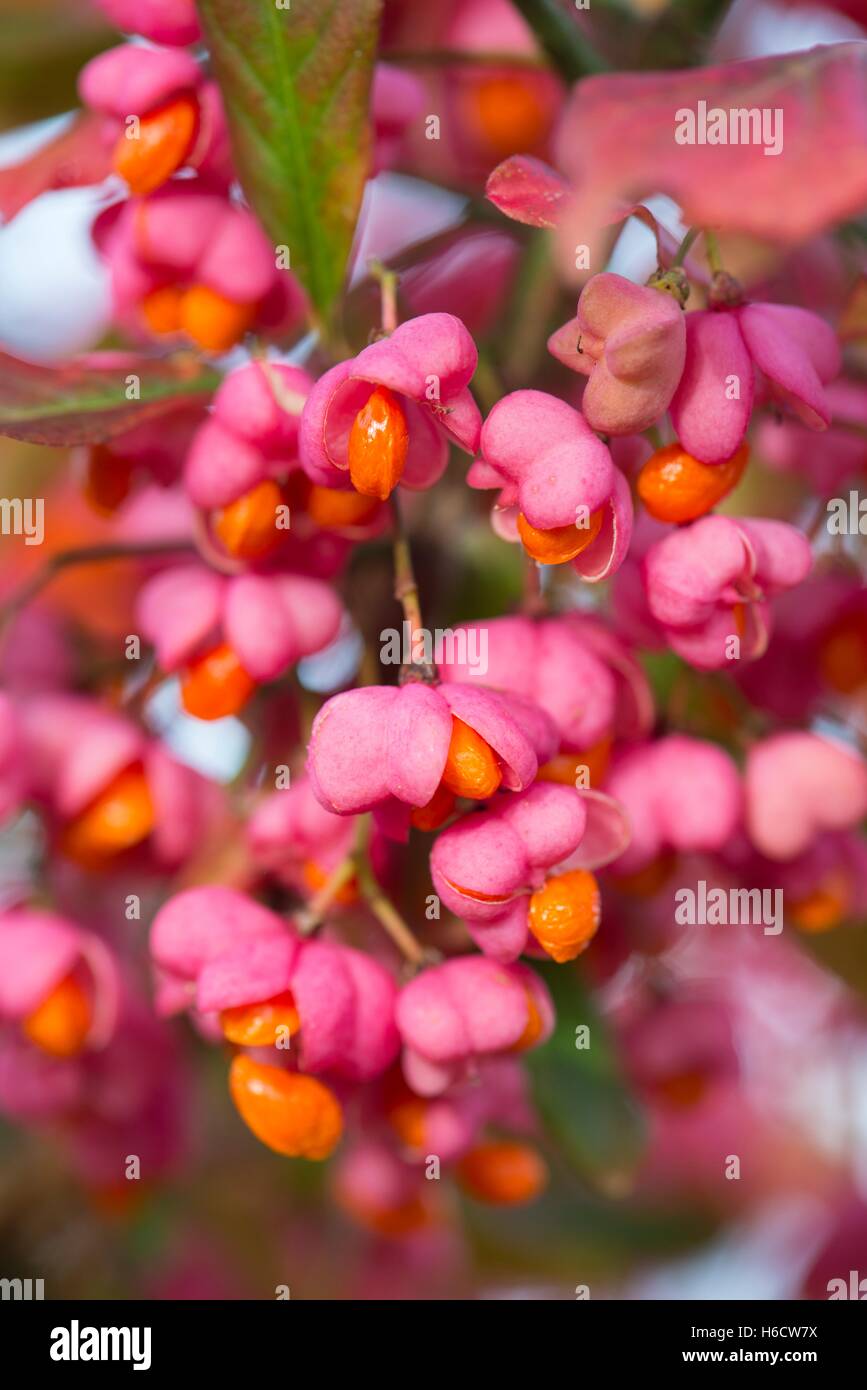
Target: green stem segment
(562,38)
(685,246)
(357,865)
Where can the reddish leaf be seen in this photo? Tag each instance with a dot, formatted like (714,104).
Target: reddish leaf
(528,190)
(76,156)
(616,141)
(83,403)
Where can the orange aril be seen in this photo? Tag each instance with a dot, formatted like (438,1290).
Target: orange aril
(316,878)
(564,768)
(378,445)
(121,816)
(107,479)
(471,769)
(332,506)
(163,140)
(561,543)
(682,1090)
(507,113)
(256,1025)
(292,1114)
(247,527)
(216,685)
(436,812)
(59,1025)
(407,1119)
(676,487)
(564,914)
(823,909)
(843,654)
(503,1172)
(161,309)
(213,321)
(534,1027)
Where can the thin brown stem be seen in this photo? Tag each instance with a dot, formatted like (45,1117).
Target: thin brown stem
(82,555)
(407,595)
(387,280)
(388,916)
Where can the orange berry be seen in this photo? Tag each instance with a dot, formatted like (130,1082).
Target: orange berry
(407,1119)
(116,820)
(564,768)
(107,479)
(247,527)
(506,113)
(471,769)
(61,1023)
(843,654)
(402,1219)
(332,506)
(292,1114)
(560,543)
(378,445)
(684,1090)
(256,1025)
(161,309)
(503,1172)
(316,878)
(216,685)
(214,322)
(676,487)
(564,914)
(534,1029)
(824,908)
(163,141)
(436,812)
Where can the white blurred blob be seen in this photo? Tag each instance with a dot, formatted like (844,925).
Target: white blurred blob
(760,28)
(634,252)
(217,748)
(397,212)
(764,1257)
(56,296)
(336,664)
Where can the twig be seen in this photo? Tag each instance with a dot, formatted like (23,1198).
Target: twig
(82,555)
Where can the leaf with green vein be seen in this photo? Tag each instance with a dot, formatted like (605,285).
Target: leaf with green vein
(296,86)
(85,403)
(580,1093)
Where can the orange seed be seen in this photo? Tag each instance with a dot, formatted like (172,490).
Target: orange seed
(471,769)
(561,543)
(292,1114)
(61,1023)
(564,914)
(247,527)
(503,1172)
(378,445)
(256,1025)
(676,487)
(216,685)
(163,140)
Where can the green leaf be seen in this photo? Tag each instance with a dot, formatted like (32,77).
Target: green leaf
(296,85)
(79,403)
(580,1092)
(843,951)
